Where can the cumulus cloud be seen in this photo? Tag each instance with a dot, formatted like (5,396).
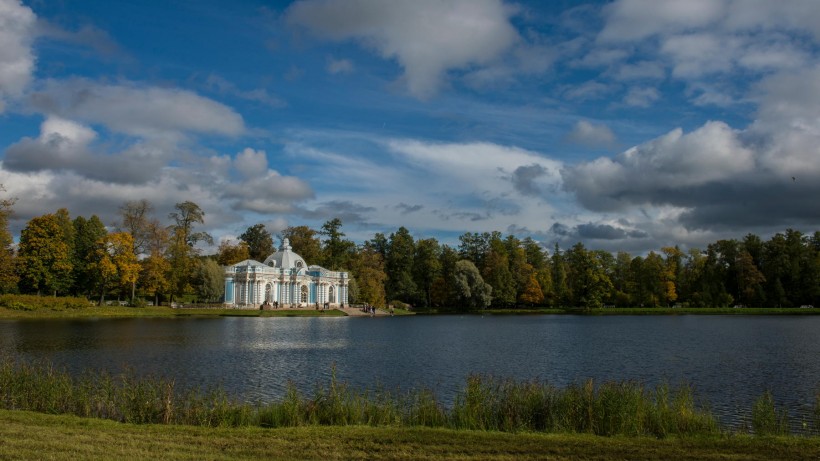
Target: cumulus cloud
(591,135)
(64,145)
(251,163)
(524,177)
(17,30)
(145,111)
(650,171)
(428,38)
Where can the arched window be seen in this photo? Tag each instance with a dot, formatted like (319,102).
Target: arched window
(304,294)
(330,295)
(268,289)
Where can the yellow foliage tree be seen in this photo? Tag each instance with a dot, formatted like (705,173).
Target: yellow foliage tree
(114,262)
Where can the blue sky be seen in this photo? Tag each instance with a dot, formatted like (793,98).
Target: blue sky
(627,125)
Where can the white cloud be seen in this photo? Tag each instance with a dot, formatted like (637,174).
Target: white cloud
(641,96)
(150,112)
(699,54)
(632,20)
(251,163)
(17,23)
(588,134)
(427,37)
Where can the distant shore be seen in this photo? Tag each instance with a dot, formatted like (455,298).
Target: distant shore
(167,312)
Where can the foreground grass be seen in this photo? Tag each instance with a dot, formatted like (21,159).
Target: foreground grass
(27,435)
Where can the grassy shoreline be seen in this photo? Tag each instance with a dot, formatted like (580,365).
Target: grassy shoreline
(27,435)
(94,312)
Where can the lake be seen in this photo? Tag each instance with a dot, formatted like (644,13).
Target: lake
(729,360)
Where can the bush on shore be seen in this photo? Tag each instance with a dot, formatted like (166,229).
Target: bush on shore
(34,302)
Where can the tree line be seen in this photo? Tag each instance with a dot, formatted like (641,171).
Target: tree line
(141,258)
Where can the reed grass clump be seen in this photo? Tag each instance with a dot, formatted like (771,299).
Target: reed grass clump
(611,408)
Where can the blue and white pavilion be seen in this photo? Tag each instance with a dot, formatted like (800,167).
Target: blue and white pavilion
(284,279)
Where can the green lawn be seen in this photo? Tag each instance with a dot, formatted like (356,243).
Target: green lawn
(26,435)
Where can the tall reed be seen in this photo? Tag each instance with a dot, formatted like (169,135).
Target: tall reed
(609,408)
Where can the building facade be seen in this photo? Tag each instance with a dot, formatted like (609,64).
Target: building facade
(284,280)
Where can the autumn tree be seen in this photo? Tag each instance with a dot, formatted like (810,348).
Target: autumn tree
(230,253)
(155,267)
(305,242)
(44,258)
(113,262)
(135,218)
(367,268)
(259,241)
(532,293)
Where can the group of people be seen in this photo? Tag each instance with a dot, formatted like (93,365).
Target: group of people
(367,308)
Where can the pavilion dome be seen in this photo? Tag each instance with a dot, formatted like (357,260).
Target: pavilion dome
(285,258)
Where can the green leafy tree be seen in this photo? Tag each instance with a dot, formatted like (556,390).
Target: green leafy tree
(426,267)
(337,249)
(587,279)
(259,241)
(473,293)
(443,292)
(44,258)
(496,273)
(86,234)
(208,280)
(182,248)
(8,276)
(401,250)
(474,247)
(559,278)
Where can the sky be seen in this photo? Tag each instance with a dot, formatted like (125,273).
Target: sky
(626,125)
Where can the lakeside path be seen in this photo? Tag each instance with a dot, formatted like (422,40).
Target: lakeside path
(357,312)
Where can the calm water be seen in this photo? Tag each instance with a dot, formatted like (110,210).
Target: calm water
(730,360)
